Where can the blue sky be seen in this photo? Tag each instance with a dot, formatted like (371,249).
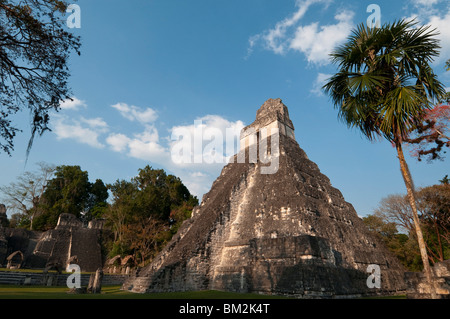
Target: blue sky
(149,67)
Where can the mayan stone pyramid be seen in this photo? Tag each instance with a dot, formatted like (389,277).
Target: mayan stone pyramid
(283,231)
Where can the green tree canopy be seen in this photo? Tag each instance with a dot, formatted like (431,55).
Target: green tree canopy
(401,245)
(146,211)
(433,204)
(70,192)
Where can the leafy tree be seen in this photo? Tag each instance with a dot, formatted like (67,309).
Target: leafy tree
(396,209)
(19,220)
(97,201)
(433,205)
(382,229)
(179,214)
(401,245)
(24,196)
(145,237)
(35,46)
(383,87)
(159,193)
(70,192)
(146,211)
(120,212)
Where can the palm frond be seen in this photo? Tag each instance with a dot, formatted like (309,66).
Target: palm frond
(384,81)
(401,107)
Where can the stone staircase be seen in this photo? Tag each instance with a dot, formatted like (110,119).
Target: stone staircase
(138,284)
(12,278)
(33,278)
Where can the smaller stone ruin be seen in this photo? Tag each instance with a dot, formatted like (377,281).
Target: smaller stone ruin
(418,287)
(69,243)
(15,260)
(119,265)
(95,282)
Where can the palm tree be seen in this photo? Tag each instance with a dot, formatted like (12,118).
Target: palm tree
(383,87)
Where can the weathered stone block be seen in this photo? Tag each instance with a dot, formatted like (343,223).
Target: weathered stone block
(419,288)
(55,246)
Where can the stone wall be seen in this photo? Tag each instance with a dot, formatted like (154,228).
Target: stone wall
(69,242)
(417,285)
(33,278)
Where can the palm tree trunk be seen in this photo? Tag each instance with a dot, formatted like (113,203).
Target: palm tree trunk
(412,201)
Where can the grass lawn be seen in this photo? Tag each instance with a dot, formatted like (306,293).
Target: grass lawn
(114,292)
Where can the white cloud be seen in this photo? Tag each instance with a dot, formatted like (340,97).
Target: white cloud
(317,42)
(198,177)
(118,142)
(147,145)
(198,183)
(319,83)
(149,135)
(144,145)
(442,24)
(148,151)
(197,174)
(83,130)
(211,139)
(313,40)
(72,104)
(275,39)
(437,17)
(211,133)
(96,123)
(425,3)
(135,113)
(72,129)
